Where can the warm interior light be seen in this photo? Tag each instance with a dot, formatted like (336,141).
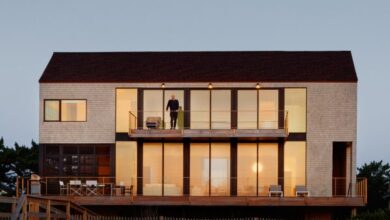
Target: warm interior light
(258,86)
(163,85)
(259,167)
(210,85)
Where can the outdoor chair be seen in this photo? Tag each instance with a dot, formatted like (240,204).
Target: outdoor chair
(75,187)
(275,190)
(301,191)
(63,188)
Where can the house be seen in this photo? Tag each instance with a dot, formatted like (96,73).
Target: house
(248,120)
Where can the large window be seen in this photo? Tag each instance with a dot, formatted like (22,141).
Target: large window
(220,109)
(257,165)
(126,101)
(220,169)
(295,105)
(294,166)
(65,110)
(267,167)
(247,109)
(153,105)
(210,170)
(77,160)
(247,169)
(200,109)
(159,169)
(126,163)
(179,95)
(199,169)
(152,169)
(268,109)
(173,169)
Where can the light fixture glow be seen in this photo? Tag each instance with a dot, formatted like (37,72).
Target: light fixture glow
(259,167)
(210,86)
(163,85)
(258,86)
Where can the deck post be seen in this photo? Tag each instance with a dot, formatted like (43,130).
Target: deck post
(68,211)
(48,209)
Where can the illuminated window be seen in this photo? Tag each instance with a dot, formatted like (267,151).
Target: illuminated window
(220,169)
(52,110)
(295,105)
(199,169)
(294,166)
(153,105)
(220,109)
(267,167)
(126,101)
(247,109)
(200,109)
(246,169)
(126,163)
(268,109)
(73,110)
(173,169)
(65,110)
(152,169)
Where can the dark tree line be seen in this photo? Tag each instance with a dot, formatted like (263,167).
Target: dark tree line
(16,161)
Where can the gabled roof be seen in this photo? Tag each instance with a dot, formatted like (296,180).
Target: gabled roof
(240,66)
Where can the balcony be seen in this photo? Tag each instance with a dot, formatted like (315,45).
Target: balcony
(263,125)
(113,192)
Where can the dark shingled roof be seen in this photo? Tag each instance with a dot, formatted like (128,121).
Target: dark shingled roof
(240,66)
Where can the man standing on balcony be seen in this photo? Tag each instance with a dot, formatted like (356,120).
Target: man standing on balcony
(173,105)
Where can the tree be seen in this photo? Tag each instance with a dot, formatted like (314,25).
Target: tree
(378,178)
(17,161)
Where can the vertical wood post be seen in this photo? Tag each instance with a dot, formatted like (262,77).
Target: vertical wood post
(68,211)
(24,210)
(48,209)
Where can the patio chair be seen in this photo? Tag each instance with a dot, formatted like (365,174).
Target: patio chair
(63,188)
(275,190)
(91,187)
(75,187)
(301,191)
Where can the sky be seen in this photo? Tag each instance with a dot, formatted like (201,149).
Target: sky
(30,31)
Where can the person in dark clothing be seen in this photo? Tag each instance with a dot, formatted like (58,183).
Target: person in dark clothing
(173,106)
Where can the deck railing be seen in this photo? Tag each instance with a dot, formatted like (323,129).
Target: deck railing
(189,186)
(210,120)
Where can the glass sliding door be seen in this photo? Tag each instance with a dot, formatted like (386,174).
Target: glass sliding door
(220,169)
(199,169)
(152,169)
(126,163)
(179,95)
(294,166)
(200,109)
(268,109)
(267,167)
(246,169)
(153,106)
(220,109)
(173,169)
(247,109)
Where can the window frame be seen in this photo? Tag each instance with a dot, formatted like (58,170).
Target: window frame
(60,110)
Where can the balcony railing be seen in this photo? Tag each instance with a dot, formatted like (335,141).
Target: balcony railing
(206,123)
(179,186)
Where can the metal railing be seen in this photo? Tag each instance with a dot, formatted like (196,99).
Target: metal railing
(246,119)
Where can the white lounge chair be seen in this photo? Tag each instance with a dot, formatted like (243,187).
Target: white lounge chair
(275,190)
(301,191)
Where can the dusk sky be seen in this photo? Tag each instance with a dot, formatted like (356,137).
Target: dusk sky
(31,31)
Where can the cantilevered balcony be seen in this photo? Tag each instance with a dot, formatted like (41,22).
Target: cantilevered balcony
(216,124)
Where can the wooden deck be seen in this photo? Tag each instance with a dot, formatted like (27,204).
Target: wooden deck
(209,133)
(216,201)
